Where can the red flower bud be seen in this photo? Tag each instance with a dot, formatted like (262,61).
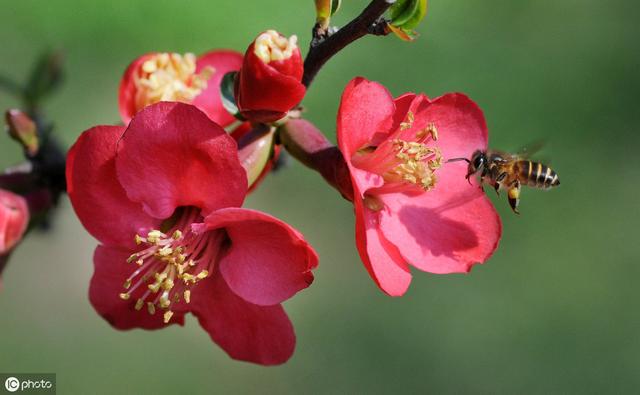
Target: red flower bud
(14,218)
(269,83)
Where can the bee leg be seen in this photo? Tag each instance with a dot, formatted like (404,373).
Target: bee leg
(497,188)
(514,196)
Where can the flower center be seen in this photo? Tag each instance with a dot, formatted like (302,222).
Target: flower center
(169,77)
(170,264)
(271,46)
(405,161)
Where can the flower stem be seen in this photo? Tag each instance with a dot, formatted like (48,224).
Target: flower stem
(326,44)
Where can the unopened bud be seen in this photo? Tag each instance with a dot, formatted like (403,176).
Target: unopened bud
(23,130)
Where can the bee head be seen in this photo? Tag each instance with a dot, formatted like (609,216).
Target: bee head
(478,160)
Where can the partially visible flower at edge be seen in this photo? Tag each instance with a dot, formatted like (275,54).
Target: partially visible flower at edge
(14,219)
(174,240)
(163,76)
(411,208)
(269,82)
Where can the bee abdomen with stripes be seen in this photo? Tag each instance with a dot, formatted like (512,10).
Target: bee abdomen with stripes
(537,175)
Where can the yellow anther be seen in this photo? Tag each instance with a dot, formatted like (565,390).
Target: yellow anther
(151,308)
(132,258)
(139,239)
(127,284)
(176,235)
(139,262)
(167,284)
(165,251)
(202,275)
(139,304)
(164,301)
(125,296)
(408,123)
(155,287)
(187,296)
(167,316)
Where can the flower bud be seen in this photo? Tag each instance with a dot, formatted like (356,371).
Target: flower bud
(23,130)
(14,218)
(269,82)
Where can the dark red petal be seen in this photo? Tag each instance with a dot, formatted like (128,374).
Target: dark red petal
(127,91)
(247,332)
(95,193)
(209,101)
(264,92)
(381,258)
(173,155)
(111,271)
(268,261)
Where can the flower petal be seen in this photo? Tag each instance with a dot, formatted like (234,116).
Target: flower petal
(247,332)
(111,271)
(173,155)
(461,126)
(209,101)
(14,218)
(443,233)
(381,258)
(268,261)
(366,108)
(95,193)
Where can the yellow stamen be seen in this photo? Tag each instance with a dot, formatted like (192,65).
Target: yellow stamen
(139,304)
(187,296)
(125,296)
(169,77)
(167,316)
(271,46)
(151,308)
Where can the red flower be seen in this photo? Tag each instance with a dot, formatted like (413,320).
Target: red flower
(268,85)
(14,218)
(174,240)
(161,76)
(411,208)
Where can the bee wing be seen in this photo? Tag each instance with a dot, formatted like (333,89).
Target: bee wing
(527,151)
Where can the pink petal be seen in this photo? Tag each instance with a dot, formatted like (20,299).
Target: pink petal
(14,218)
(95,193)
(247,332)
(366,109)
(173,155)
(209,101)
(111,271)
(461,126)
(268,261)
(381,258)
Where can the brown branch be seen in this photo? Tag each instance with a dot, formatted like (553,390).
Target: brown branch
(326,44)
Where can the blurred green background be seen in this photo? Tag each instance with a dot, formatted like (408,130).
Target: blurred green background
(554,311)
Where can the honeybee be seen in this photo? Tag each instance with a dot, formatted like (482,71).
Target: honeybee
(509,171)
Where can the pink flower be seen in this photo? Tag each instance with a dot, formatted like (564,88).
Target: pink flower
(174,240)
(412,208)
(161,76)
(14,218)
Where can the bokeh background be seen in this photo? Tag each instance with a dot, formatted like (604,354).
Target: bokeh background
(554,311)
